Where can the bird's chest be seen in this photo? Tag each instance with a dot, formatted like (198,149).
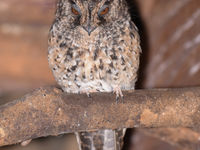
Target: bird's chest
(99,57)
(90,60)
(94,64)
(92,67)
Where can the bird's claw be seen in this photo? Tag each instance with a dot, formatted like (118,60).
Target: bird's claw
(117,99)
(89,95)
(87,92)
(118,93)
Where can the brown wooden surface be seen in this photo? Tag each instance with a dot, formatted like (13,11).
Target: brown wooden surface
(182,138)
(49,111)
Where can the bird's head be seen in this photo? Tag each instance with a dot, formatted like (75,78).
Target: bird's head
(91,15)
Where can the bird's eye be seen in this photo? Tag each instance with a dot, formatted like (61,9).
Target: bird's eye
(75,10)
(103,11)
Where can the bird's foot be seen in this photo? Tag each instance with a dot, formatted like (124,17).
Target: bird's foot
(117,90)
(87,92)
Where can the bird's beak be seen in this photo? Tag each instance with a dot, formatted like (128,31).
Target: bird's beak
(89,29)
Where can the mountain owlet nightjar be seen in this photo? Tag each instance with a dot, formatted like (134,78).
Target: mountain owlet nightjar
(94,47)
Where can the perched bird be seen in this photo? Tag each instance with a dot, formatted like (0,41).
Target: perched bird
(94,47)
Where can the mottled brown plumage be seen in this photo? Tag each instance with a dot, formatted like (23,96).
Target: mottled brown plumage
(94,47)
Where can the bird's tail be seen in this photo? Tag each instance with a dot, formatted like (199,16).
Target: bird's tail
(106,139)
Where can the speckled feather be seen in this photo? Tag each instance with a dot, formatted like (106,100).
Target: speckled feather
(108,58)
(102,61)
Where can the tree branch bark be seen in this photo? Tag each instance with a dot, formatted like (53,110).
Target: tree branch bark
(49,111)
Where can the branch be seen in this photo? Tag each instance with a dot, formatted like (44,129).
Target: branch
(49,111)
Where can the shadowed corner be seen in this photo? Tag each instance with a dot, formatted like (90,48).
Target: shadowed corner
(127,139)
(139,22)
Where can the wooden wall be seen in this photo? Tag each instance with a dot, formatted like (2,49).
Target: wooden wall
(24,28)
(170,39)
(174,42)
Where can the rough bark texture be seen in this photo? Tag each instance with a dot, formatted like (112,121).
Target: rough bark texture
(49,111)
